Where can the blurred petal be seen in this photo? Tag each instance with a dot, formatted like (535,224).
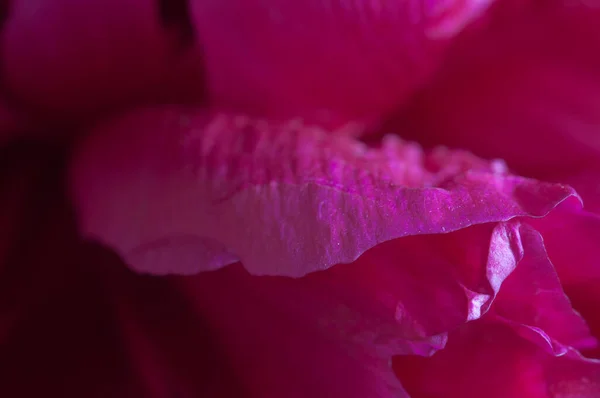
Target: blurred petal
(524,88)
(491,360)
(182,192)
(56,337)
(330,61)
(67,57)
(173,350)
(10,123)
(292,338)
(22,173)
(62,303)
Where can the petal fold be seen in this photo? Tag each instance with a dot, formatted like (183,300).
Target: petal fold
(177,191)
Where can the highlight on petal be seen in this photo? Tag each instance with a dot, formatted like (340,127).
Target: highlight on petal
(332,333)
(328,61)
(533,302)
(524,88)
(526,345)
(175,191)
(403,298)
(69,56)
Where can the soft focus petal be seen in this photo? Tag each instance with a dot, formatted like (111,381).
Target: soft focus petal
(183,192)
(324,60)
(11,124)
(67,308)
(20,182)
(66,57)
(173,350)
(56,337)
(293,338)
(525,88)
(486,359)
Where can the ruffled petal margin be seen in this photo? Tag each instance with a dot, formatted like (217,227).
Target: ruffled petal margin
(528,344)
(177,191)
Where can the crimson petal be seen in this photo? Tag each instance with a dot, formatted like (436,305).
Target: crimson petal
(327,61)
(182,192)
(69,58)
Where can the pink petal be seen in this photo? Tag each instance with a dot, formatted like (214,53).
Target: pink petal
(74,57)
(525,346)
(182,192)
(332,333)
(572,242)
(125,335)
(61,303)
(400,297)
(292,338)
(491,360)
(533,302)
(329,61)
(525,88)
(172,348)
(587,183)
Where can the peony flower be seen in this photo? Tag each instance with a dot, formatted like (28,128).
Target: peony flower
(202,199)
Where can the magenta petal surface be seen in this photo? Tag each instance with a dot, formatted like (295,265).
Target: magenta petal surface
(324,60)
(332,333)
(183,192)
(69,56)
(74,321)
(293,338)
(524,88)
(572,242)
(404,297)
(533,301)
(526,345)
(489,359)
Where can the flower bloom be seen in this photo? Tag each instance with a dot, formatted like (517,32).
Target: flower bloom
(253,199)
